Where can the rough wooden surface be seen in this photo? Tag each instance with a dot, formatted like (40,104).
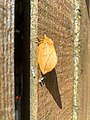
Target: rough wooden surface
(7,60)
(77,65)
(55,19)
(33,60)
(88,94)
(81,61)
(84,83)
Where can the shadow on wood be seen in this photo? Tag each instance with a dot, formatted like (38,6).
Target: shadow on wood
(52,85)
(88,7)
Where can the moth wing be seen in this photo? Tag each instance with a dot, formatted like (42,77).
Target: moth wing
(42,56)
(51,61)
(47,57)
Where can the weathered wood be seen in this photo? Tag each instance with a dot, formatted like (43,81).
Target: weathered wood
(7,109)
(33,60)
(81,81)
(55,19)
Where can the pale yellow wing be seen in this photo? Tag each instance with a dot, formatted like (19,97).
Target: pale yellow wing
(47,57)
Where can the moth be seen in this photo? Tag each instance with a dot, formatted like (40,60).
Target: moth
(47,58)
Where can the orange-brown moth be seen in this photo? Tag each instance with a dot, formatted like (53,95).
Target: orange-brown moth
(47,58)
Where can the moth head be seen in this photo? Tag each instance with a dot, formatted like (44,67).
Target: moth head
(44,40)
(39,40)
(48,40)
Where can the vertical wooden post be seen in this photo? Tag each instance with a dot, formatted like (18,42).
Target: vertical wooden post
(33,59)
(76,56)
(7,108)
(81,83)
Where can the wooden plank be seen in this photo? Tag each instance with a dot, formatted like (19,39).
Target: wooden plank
(81,82)
(7,109)
(33,59)
(55,19)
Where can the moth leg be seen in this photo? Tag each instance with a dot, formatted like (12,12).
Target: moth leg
(42,79)
(39,42)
